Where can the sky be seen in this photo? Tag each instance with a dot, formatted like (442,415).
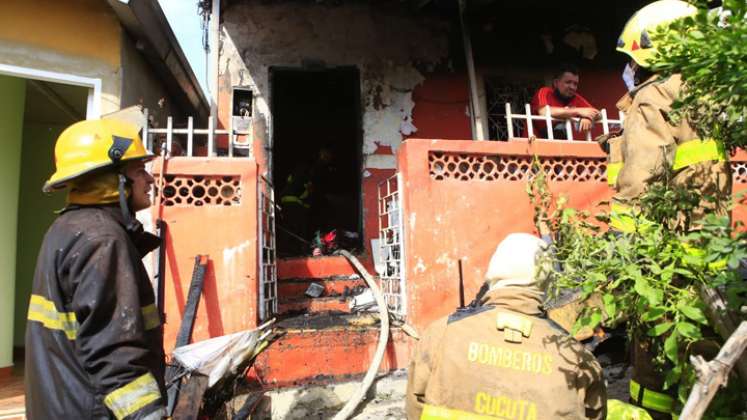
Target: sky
(186,24)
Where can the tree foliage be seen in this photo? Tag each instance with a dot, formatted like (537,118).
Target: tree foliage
(709,50)
(648,279)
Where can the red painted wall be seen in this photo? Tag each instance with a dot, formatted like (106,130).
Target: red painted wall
(603,88)
(451,219)
(441,107)
(442,101)
(371,181)
(227,234)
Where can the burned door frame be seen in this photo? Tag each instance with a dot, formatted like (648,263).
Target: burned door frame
(359,137)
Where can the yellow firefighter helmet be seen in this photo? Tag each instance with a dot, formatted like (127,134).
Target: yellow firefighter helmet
(635,39)
(92,145)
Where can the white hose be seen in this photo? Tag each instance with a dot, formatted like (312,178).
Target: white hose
(357,397)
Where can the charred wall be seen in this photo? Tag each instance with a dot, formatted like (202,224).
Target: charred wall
(392,48)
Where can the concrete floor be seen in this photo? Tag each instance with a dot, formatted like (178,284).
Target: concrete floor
(384,401)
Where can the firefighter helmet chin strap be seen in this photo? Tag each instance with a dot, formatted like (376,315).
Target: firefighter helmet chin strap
(131,223)
(116,151)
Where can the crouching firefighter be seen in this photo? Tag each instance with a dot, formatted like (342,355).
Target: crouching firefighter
(503,359)
(93,339)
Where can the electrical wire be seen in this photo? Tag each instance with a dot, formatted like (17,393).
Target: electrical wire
(204,7)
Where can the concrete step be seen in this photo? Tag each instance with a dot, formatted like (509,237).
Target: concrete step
(338,286)
(326,348)
(335,273)
(320,267)
(385,400)
(306,305)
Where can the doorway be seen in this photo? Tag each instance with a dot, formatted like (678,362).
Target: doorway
(316,157)
(36,112)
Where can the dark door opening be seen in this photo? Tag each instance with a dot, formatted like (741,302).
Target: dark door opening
(316,157)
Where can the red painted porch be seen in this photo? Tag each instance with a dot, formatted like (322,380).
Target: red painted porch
(458,200)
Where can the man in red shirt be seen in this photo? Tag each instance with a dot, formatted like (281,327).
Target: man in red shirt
(564,103)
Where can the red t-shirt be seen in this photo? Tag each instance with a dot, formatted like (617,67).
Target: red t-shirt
(546,96)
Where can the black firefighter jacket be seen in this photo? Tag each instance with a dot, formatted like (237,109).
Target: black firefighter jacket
(93,339)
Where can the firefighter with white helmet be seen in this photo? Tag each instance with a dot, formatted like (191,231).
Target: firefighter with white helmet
(93,339)
(502,359)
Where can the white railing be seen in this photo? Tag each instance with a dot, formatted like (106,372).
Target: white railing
(211,133)
(549,122)
(391,250)
(268,275)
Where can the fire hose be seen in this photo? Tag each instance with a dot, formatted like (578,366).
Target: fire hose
(357,397)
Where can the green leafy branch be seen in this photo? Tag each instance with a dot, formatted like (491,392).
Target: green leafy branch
(709,50)
(650,278)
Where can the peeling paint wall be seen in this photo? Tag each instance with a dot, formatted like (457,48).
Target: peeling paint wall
(388,107)
(389,46)
(393,49)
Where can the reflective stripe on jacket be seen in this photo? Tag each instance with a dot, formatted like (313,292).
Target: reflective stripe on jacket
(615,160)
(93,337)
(618,410)
(503,360)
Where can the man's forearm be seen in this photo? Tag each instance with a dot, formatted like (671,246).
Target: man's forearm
(560,113)
(564,113)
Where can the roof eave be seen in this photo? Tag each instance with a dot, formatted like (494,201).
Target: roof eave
(145,22)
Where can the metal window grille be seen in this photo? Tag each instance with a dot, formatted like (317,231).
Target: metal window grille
(499,92)
(391,250)
(187,138)
(268,290)
(524,120)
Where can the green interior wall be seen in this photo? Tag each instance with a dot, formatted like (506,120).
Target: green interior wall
(36,211)
(12,101)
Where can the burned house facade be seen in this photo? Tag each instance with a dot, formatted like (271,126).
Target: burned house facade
(352,80)
(395,124)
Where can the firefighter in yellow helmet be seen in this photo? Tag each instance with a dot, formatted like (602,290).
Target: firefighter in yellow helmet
(502,359)
(93,338)
(654,146)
